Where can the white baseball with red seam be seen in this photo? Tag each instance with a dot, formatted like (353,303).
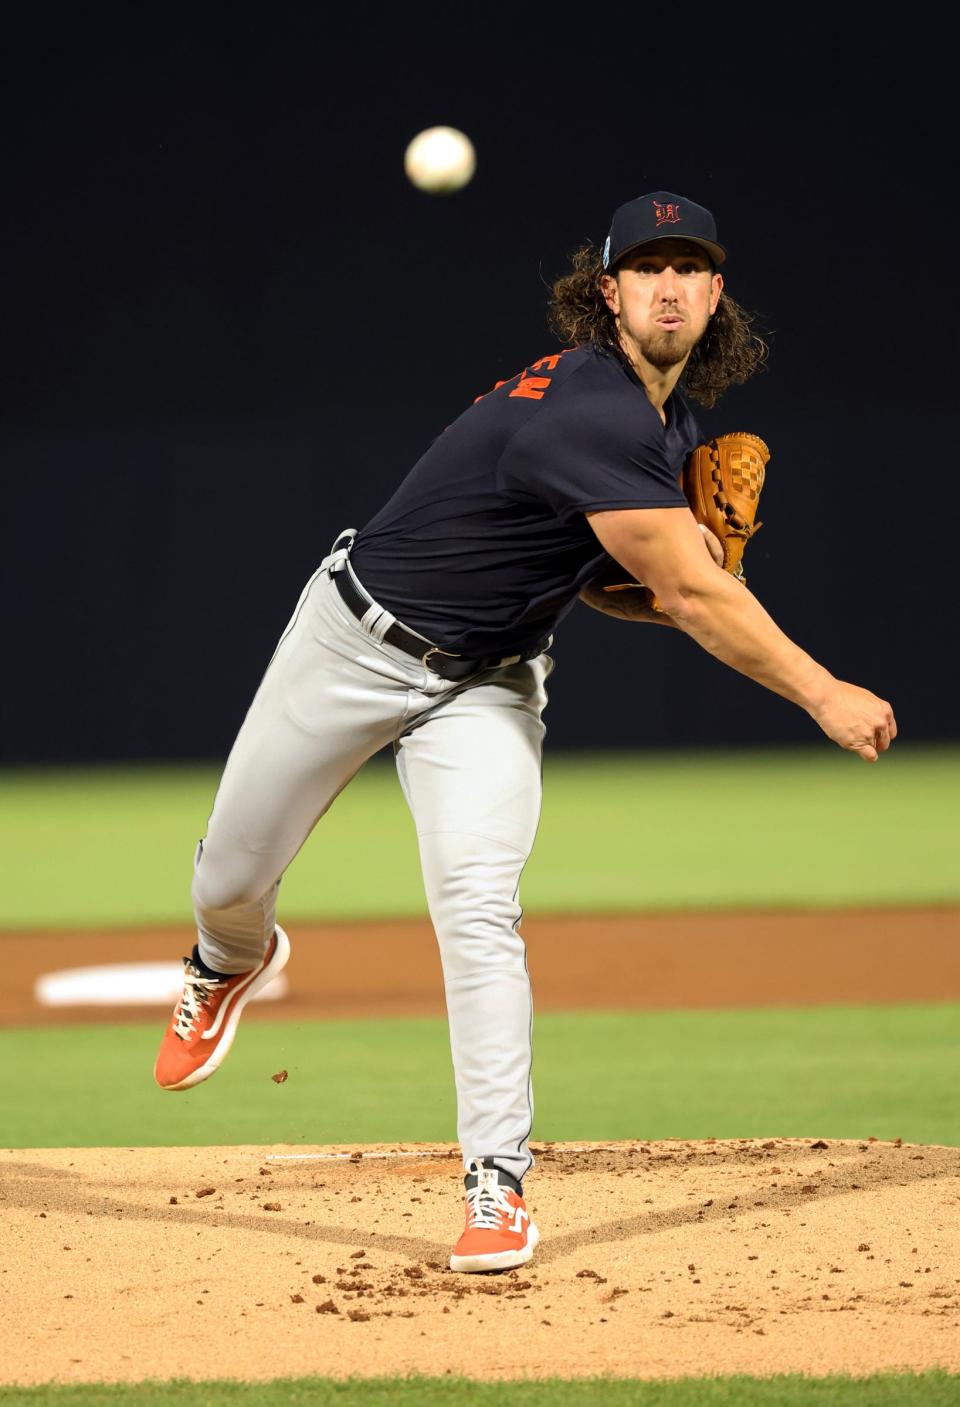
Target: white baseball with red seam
(440,160)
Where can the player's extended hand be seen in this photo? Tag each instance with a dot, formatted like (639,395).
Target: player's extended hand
(856,720)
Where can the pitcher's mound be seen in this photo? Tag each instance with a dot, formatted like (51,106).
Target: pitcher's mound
(657,1260)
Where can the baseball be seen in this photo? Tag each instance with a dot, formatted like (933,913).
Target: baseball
(440,160)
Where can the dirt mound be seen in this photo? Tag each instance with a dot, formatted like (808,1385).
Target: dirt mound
(657,1260)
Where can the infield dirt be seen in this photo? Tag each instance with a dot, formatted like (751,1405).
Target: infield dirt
(658,1260)
(667,961)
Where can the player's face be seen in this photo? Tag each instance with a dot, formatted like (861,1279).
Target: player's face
(663,295)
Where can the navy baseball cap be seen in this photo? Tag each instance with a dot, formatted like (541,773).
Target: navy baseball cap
(660,215)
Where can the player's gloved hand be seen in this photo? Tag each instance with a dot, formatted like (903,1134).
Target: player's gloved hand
(855,719)
(721,481)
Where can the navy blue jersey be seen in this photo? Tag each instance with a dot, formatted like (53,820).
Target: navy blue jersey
(484,547)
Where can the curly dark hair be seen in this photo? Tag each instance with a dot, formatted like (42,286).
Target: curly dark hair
(727,354)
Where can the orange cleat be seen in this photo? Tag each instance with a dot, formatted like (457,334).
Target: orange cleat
(499,1233)
(204,1020)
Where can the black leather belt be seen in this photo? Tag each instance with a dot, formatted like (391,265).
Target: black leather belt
(439,661)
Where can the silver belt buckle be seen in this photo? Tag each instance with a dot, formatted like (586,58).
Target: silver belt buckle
(436,650)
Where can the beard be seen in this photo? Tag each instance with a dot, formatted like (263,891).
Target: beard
(666,349)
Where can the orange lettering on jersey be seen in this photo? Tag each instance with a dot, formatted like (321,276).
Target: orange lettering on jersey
(496,387)
(532,387)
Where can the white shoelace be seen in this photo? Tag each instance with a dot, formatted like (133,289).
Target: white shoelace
(485,1206)
(197,991)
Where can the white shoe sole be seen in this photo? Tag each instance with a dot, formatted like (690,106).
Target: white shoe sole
(276,964)
(503,1260)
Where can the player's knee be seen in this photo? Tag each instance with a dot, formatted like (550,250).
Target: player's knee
(217,888)
(479,937)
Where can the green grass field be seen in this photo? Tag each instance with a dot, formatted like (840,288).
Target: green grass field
(111,848)
(839,1072)
(884,1390)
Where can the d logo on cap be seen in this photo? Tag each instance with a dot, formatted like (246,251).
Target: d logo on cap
(641,221)
(667,214)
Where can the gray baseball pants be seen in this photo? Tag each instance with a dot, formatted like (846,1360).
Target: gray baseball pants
(468,756)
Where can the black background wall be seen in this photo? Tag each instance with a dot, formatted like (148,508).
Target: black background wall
(230,327)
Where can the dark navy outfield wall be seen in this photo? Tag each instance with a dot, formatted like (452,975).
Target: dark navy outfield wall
(230,327)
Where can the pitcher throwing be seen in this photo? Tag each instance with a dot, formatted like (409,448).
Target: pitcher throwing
(429,630)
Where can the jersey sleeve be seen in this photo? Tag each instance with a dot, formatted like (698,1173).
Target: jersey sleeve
(580,464)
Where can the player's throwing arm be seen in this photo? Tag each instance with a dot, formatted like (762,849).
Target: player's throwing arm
(664,548)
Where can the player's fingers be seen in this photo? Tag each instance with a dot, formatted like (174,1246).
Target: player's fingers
(864,750)
(714,545)
(886,730)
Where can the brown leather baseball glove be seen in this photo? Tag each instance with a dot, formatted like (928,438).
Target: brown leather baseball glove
(722,481)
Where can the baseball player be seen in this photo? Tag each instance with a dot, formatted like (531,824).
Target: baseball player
(429,630)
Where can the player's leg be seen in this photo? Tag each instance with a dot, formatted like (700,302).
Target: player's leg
(329,699)
(471,771)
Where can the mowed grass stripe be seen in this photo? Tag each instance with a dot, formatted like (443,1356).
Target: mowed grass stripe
(809,826)
(882,1390)
(828,1072)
